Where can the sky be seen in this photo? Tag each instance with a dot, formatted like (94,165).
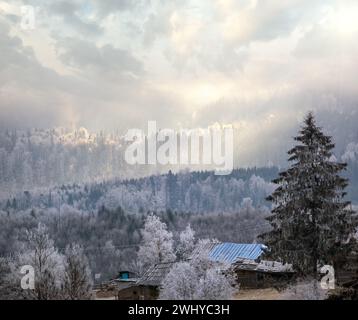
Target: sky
(259,65)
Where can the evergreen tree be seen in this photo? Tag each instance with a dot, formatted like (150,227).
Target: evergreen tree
(171,191)
(312,225)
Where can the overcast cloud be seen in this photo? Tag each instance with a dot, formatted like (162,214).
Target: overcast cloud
(114,65)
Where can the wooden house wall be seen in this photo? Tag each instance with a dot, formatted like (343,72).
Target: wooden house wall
(249,279)
(347,270)
(138,293)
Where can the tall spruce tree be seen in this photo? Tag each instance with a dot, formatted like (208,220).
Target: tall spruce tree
(311,222)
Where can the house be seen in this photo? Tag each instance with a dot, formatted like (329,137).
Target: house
(242,259)
(346,269)
(124,280)
(146,288)
(245,260)
(138,292)
(126,275)
(262,274)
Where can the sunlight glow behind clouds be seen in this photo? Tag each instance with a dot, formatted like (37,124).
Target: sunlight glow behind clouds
(118,64)
(343,19)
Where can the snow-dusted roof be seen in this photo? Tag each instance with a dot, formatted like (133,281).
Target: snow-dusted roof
(227,252)
(230,252)
(156,274)
(263,266)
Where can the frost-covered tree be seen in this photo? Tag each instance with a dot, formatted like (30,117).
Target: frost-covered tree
(247,208)
(180,283)
(185,281)
(311,222)
(5,286)
(47,262)
(214,285)
(76,282)
(157,242)
(186,243)
(107,261)
(198,278)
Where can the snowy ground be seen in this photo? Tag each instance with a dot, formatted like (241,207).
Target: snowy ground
(107,298)
(258,294)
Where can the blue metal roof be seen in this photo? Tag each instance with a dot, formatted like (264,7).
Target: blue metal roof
(230,252)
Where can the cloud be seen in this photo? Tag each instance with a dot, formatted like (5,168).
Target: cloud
(31,95)
(70,12)
(85,55)
(108,7)
(101,95)
(260,64)
(246,21)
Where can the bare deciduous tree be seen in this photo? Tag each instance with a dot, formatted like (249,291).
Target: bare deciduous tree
(77,281)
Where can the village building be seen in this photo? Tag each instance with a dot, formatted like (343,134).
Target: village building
(244,260)
(123,281)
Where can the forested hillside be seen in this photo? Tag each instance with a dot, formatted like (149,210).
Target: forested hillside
(199,192)
(42,158)
(83,163)
(106,218)
(105,212)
